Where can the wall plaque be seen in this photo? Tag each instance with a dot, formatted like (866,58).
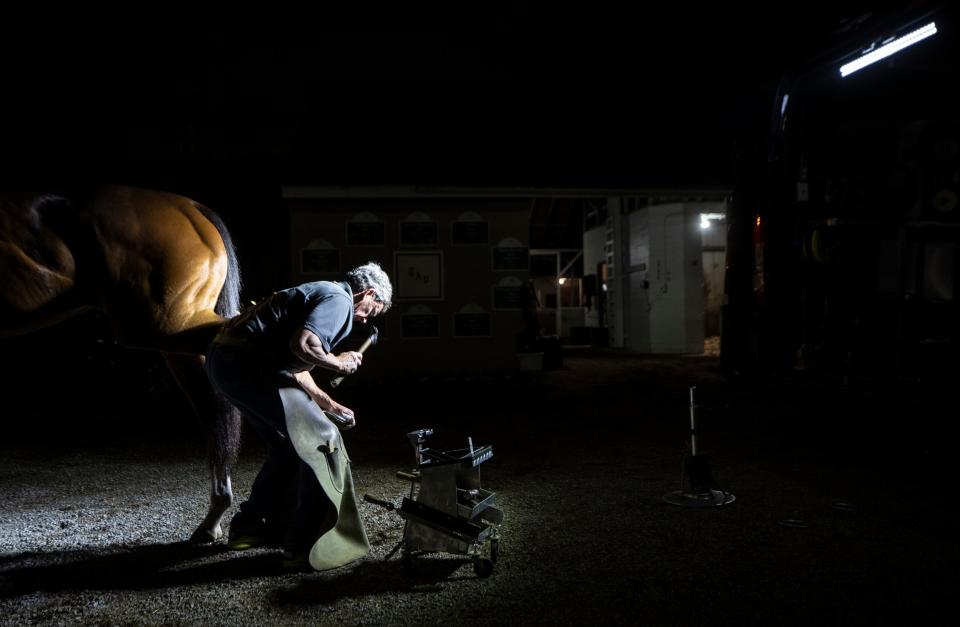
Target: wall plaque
(418,229)
(319,257)
(471,323)
(419,275)
(469,229)
(365,229)
(509,294)
(419,322)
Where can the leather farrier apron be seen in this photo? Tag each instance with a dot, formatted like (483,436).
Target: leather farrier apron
(318,442)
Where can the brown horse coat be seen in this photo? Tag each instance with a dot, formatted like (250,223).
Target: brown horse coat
(160,266)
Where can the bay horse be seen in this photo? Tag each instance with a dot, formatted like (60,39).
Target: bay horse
(163,270)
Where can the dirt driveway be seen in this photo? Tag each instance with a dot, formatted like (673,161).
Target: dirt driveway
(840,514)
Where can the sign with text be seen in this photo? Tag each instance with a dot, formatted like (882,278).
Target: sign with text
(365,233)
(513,258)
(509,293)
(469,229)
(319,257)
(471,324)
(419,275)
(418,229)
(419,322)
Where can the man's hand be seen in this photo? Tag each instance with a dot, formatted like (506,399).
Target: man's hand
(349,361)
(341,416)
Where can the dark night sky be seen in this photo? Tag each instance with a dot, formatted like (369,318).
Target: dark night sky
(531,96)
(226,108)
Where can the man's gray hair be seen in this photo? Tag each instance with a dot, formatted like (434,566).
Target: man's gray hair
(371,275)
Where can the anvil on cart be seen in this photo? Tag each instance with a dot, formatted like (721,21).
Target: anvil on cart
(447,510)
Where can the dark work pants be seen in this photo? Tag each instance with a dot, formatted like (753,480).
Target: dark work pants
(285,492)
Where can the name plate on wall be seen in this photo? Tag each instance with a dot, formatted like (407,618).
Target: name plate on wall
(418,229)
(470,233)
(419,322)
(469,229)
(509,293)
(471,325)
(319,257)
(513,258)
(365,234)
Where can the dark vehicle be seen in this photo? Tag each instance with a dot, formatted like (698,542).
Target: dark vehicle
(845,221)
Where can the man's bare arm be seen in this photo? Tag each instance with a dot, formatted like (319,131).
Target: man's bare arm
(307,346)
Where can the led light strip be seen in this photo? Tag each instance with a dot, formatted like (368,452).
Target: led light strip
(888,49)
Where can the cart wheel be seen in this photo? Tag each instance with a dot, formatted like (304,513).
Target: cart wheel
(483,567)
(494,550)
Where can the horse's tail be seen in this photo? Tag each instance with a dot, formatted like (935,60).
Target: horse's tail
(228,303)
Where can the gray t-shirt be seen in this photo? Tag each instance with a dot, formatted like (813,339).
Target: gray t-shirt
(323,307)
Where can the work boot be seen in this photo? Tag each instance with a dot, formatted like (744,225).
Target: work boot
(297,561)
(248,532)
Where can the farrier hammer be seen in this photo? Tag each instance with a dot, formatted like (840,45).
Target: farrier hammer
(370,341)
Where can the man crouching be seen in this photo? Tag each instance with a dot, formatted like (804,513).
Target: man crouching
(302,498)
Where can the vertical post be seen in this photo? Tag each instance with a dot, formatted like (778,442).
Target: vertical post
(558,315)
(693,422)
(699,488)
(618,287)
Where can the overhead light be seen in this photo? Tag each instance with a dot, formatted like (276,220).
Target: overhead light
(872,54)
(562,280)
(705,219)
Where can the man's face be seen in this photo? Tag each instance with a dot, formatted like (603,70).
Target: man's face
(366,307)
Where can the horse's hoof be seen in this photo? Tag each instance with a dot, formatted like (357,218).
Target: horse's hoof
(206,536)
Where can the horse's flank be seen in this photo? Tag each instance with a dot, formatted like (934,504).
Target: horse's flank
(161,266)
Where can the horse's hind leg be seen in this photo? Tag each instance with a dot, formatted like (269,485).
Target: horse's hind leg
(220,422)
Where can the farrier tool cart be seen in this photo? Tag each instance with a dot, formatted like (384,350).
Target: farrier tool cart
(447,510)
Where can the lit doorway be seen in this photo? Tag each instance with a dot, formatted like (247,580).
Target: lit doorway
(557,276)
(713,246)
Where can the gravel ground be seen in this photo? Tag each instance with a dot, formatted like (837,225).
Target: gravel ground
(94,513)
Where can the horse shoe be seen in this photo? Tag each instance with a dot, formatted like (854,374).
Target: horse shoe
(319,444)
